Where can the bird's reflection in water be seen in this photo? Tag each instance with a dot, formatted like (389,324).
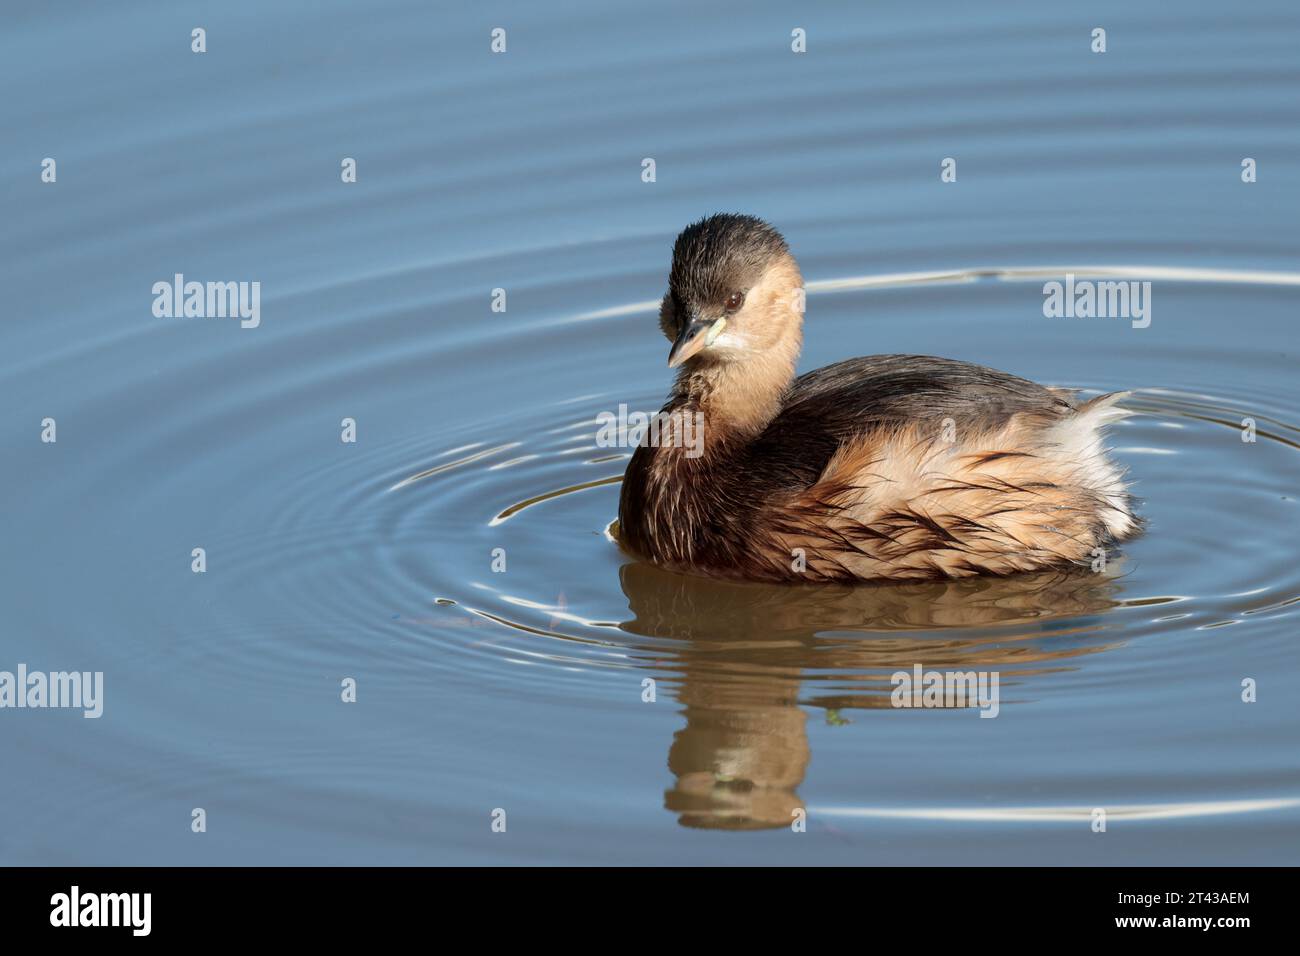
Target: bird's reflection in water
(751,649)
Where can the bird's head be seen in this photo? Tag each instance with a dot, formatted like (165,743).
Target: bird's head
(734,293)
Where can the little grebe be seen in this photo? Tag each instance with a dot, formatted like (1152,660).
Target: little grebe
(889,467)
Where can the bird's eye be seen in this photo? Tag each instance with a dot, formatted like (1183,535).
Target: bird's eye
(736,300)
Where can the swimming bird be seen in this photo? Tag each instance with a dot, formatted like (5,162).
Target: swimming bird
(887,467)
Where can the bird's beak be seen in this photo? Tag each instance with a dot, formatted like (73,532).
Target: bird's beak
(698,334)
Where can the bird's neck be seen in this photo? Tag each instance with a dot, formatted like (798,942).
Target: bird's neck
(737,399)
